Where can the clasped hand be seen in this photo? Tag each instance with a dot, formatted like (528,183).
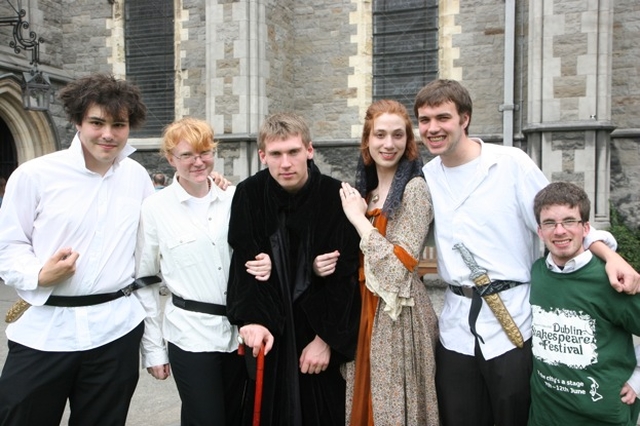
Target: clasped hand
(58,267)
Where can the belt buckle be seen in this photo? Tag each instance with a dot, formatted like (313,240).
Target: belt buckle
(467,291)
(127,290)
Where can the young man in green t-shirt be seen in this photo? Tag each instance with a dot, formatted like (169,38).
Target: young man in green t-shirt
(583,352)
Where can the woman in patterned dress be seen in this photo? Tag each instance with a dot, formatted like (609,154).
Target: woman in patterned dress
(391,382)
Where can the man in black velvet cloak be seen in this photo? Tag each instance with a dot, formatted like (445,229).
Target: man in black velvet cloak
(308,323)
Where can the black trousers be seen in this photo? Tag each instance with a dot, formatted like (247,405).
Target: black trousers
(99,384)
(210,385)
(479,392)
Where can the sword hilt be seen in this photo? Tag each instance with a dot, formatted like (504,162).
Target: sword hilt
(470,261)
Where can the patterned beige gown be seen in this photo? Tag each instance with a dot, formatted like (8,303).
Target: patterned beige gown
(405,332)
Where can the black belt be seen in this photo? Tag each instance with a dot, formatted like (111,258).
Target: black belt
(96,299)
(475,293)
(202,307)
(483,290)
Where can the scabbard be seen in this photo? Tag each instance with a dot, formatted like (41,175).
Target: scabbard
(501,313)
(16,310)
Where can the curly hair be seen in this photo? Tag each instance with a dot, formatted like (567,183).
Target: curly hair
(118,98)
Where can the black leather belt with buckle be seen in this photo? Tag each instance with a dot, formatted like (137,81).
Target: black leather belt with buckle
(96,299)
(195,306)
(484,290)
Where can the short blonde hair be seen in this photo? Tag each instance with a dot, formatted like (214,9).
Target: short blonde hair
(281,126)
(197,133)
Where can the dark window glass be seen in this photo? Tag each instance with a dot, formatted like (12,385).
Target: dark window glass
(405,48)
(8,157)
(149,49)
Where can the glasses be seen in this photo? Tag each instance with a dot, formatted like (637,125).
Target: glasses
(191,158)
(566,224)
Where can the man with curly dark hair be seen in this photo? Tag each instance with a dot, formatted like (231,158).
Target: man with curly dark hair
(67,241)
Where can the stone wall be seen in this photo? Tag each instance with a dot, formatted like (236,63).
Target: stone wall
(625,93)
(84,35)
(191,84)
(625,85)
(280,53)
(480,43)
(625,179)
(321,62)
(238,61)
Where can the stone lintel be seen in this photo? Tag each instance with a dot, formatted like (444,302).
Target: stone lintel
(568,126)
(236,137)
(631,133)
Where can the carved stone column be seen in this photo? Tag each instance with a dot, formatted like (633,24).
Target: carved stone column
(569,103)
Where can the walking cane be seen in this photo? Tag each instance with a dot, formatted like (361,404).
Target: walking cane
(257,401)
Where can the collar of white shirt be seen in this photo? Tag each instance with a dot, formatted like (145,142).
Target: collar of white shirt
(572,265)
(75,149)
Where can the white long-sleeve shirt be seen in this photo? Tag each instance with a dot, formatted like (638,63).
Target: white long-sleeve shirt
(53,202)
(487,205)
(185,238)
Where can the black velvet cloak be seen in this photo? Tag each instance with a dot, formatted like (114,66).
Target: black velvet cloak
(295,304)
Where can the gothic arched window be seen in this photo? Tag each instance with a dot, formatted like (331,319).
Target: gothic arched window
(149,47)
(405,48)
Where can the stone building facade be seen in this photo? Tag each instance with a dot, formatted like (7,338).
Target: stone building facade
(559,79)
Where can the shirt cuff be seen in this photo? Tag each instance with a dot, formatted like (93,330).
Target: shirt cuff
(634,380)
(599,235)
(157,357)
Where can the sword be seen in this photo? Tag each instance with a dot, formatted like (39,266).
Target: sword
(16,310)
(480,278)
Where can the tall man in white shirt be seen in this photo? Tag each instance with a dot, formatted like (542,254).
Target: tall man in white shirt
(67,240)
(482,198)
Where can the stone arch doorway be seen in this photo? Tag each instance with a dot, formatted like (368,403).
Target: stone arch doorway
(8,158)
(23,134)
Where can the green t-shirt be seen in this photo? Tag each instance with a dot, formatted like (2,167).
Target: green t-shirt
(582,347)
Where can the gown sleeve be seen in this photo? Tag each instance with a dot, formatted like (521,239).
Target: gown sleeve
(390,261)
